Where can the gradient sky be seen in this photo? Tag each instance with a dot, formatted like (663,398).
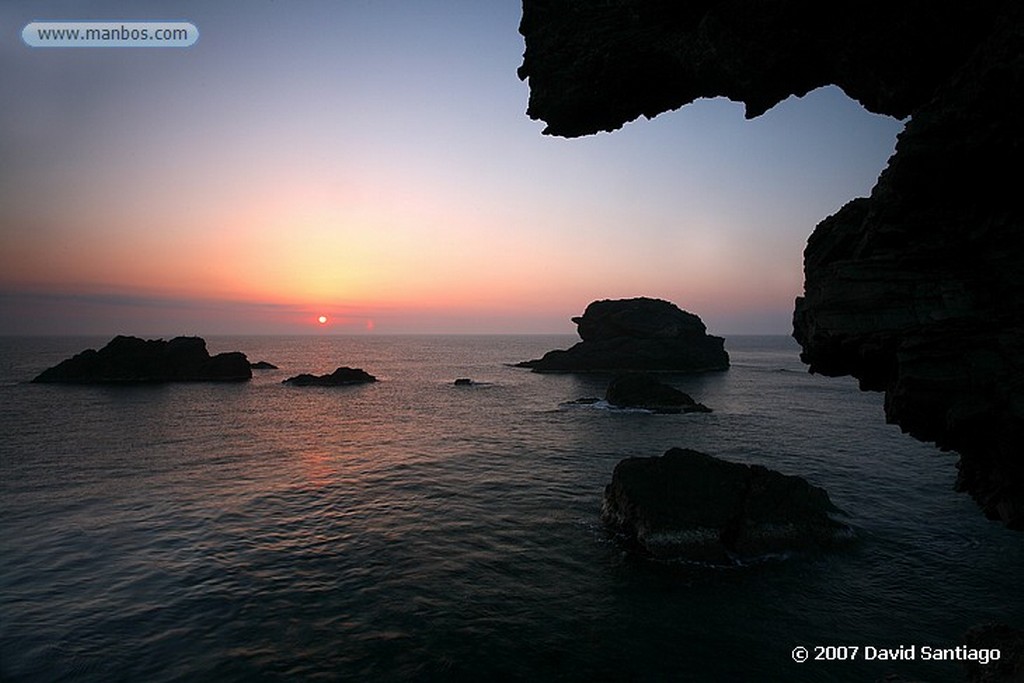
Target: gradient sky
(371,161)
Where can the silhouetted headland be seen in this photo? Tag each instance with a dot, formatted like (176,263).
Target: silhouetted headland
(131,360)
(692,506)
(263,365)
(341,377)
(639,335)
(917,290)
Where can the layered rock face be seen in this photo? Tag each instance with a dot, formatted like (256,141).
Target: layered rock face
(917,290)
(127,360)
(641,335)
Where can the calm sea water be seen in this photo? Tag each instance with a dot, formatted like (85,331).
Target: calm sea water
(414,530)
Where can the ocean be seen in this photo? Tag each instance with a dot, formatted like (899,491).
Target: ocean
(415,530)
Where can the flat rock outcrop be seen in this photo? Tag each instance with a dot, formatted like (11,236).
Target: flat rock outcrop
(341,377)
(639,335)
(917,290)
(640,390)
(686,505)
(128,360)
(263,365)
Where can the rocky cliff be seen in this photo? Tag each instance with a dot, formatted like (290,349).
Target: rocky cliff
(917,290)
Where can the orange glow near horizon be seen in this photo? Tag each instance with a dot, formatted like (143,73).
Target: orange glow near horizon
(279,187)
(372,255)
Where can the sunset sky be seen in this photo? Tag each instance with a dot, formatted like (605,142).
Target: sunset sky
(371,162)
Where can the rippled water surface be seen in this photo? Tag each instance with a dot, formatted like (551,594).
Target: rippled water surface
(415,530)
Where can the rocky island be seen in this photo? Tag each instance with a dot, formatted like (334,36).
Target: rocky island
(131,360)
(343,376)
(916,290)
(639,335)
(686,505)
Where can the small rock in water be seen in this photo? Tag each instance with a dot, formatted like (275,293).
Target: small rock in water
(687,505)
(639,390)
(340,377)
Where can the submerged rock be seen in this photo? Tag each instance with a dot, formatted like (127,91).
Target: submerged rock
(263,365)
(128,360)
(340,377)
(642,334)
(639,390)
(685,505)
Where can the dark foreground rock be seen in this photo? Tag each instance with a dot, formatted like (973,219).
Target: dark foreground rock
(642,335)
(340,377)
(263,365)
(1009,668)
(686,505)
(127,360)
(640,390)
(917,290)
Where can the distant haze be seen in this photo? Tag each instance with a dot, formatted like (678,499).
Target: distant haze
(372,162)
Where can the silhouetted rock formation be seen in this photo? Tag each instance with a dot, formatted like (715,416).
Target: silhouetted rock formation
(340,377)
(639,390)
(463,382)
(691,506)
(263,365)
(594,66)
(643,335)
(917,291)
(127,360)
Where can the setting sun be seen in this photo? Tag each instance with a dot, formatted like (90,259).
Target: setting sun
(322,320)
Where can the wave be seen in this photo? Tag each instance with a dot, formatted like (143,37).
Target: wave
(600,404)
